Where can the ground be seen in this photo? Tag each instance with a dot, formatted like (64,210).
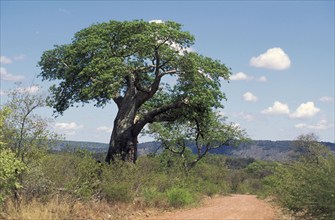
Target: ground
(226,207)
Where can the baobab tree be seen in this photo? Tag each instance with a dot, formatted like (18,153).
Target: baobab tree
(128,63)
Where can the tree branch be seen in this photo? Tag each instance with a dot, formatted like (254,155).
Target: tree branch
(151,116)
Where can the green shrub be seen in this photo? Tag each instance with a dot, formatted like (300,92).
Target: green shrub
(179,197)
(118,192)
(305,188)
(76,173)
(153,197)
(119,182)
(10,168)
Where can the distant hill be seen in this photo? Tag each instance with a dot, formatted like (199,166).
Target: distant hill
(258,149)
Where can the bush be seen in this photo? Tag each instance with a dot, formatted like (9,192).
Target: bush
(153,197)
(118,182)
(118,192)
(76,173)
(10,168)
(306,189)
(179,197)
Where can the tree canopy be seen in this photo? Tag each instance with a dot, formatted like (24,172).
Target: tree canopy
(127,62)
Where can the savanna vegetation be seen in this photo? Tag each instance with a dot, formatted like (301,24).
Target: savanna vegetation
(125,62)
(37,183)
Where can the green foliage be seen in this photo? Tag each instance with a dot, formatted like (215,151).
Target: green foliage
(154,197)
(10,168)
(24,141)
(100,58)
(77,174)
(4,112)
(261,168)
(118,182)
(306,187)
(238,163)
(178,197)
(205,128)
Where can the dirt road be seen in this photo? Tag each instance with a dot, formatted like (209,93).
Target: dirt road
(228,207)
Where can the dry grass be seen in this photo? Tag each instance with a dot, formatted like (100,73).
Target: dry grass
(65,208)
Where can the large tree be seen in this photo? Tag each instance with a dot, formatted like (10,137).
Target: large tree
(147,68)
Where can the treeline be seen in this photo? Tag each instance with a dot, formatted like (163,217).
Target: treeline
(258,149)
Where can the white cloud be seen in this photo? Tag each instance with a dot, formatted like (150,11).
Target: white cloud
(274,58)
(240,76)
(2,92)
(322,125)
(105,129)
(4,75)
(156,21)
(262,79)
(67,128)
(278,108)
(5,60)
(326,99)
(243,76)
(31,89)
(249,97)
(305,110)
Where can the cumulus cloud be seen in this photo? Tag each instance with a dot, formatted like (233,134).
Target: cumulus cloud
(305,110)
(158,21)
(67,128)
(249,97)
(240,76)
(2,92)
(274,58)
(326,99)
(278,108)
(321,125)
(31,89)
(5,60)
(243,76)
(4,75)
(105,129)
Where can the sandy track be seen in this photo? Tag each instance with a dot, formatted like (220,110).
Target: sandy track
(228,207)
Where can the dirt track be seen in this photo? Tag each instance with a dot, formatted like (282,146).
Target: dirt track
(228,207)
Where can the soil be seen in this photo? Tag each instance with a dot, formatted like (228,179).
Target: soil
(227,207)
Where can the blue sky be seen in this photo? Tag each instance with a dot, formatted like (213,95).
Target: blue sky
(281,54)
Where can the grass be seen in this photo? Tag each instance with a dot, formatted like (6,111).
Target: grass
(66,208)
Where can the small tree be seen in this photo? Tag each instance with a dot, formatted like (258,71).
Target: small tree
(27,133)
(206,130)
(308,148)
(26,137)
(127,62)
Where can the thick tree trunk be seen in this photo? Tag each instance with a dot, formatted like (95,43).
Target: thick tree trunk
(123,142)
(122,145)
